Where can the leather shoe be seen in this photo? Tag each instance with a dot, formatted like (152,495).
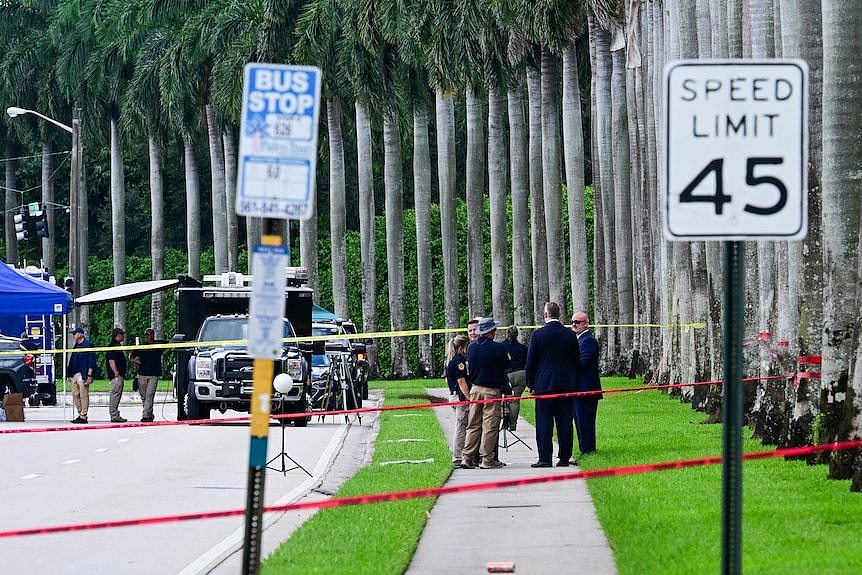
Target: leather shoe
(467,464)
(147,419)
(79,419)
(491,464)
(566,463)
(541,464)
(119,420)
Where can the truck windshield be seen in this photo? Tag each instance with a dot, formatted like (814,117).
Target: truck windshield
(232,329)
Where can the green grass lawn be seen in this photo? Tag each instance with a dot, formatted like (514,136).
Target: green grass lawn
(104,385)
(794,519)
(667,522)
(381,538)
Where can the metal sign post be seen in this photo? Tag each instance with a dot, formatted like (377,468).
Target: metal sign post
(736,148)
(275,181)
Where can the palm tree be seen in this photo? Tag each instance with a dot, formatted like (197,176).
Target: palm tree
(842,149)
(573,149)
(318,30)
(444,62)
(475,178)
(538,233)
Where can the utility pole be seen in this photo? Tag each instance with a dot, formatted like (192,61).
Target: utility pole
(74,191)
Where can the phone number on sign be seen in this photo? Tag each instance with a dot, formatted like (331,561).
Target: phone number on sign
(273,209)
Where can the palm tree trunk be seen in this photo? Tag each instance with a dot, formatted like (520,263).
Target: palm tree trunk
(253,229)
(622,202)
(12,201)
(475,205)
(551,180)
(395,240)
(573,147)
(604,147)
(118,217)
(308,250)
(48,202)
(498,170)
(366,229)
(193,208)
(520,182)
(219,208)
(538,234)
(230,159)
(445,108)
(842,189)
(157,239)
(337,207)
(422,205)
(802,38)
(600,295)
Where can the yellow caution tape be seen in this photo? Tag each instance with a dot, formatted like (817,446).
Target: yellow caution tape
(313,338)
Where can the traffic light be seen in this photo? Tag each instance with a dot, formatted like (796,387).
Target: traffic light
(20,219)
(42,223)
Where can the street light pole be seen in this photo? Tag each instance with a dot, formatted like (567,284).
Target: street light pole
(77,207)
(74,194)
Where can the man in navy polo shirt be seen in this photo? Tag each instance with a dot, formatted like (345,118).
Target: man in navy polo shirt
(487,363)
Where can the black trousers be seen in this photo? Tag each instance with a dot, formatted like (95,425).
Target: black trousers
(550,412)
(585,421)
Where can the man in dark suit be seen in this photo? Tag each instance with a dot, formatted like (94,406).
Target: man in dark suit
(552,363)
(588,380)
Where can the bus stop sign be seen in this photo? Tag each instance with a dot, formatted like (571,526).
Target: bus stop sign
(278,141)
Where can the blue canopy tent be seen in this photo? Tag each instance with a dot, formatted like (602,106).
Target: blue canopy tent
(22,295)
(27,303)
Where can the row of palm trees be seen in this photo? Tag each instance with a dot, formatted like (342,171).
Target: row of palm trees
(152,70)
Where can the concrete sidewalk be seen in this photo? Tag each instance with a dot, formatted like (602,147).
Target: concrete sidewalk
(543,528)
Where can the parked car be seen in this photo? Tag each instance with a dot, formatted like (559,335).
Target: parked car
(16,370)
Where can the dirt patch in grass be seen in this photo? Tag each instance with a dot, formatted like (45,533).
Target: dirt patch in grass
(425,397)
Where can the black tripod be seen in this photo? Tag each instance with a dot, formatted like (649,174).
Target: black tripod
(506,429)
(340,383)
(283,457)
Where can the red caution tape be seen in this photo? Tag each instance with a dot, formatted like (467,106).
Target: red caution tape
(289,416)
(437,491)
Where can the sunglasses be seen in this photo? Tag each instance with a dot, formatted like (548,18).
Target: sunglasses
(578,321)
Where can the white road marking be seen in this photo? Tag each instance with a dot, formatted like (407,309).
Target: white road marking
(124,440)
(100,450)
(71,461)
(234,540)
(31,476)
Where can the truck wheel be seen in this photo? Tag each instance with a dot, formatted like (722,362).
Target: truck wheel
(196,409)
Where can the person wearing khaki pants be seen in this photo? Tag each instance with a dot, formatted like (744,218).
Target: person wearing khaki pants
(487,363)
(116,363)
(79,373)
(149,362)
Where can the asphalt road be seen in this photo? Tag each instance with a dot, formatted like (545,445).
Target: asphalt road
(62,478)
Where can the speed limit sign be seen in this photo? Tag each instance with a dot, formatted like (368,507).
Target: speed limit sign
(736,147)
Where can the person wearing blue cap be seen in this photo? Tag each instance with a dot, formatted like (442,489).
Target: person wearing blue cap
(79,373)
(487,364)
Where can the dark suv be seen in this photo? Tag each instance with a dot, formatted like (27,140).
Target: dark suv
(16,370)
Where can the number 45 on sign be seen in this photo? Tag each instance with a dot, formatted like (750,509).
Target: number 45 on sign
(736,148)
